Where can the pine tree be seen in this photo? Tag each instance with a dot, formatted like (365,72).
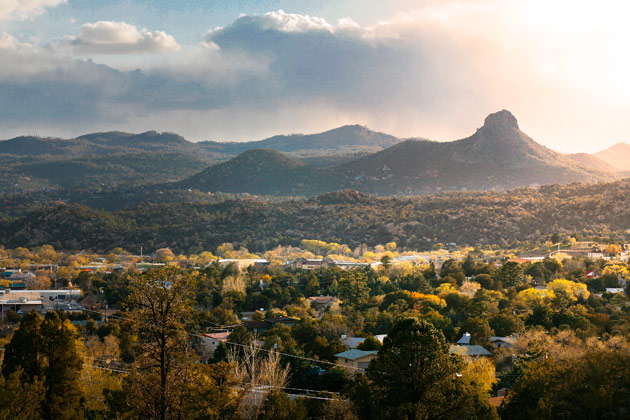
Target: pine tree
(23,351)
(60,348)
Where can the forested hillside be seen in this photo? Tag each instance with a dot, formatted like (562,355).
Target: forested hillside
(517,217)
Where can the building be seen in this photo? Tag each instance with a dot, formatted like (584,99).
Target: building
(308,264)
(320,303)
(44,295)
(354,360)
(353,342)
(21,305)
(212,340)
(465,340)
(242,264)
(506,342)
(469,350)
(464,348)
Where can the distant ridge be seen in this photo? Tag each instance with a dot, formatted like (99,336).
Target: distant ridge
(617,156)
(498,156)
(351,137)
(262,171)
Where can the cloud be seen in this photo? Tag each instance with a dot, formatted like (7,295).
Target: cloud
(25,9)
(105,37)
(433,72)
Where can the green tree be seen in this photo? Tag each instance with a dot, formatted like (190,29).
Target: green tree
(61,349)
(511,274)
(23,351)
(19,399)
(353,289)
(278,406)
(414,376)
(370,343)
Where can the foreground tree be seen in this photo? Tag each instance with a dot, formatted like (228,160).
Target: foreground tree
(414,377)
(161,306)
(593,386)
(47,351)
(20,400)
(23,351)
(61,350)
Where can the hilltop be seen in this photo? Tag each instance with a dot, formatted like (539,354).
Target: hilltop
(498,156)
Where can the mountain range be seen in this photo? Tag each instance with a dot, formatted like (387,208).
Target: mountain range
(497,156)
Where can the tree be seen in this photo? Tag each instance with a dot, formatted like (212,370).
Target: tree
(511,274)
(48,350)
(257,375)
(20,400)
(23,351)
(210,392)
(278,406)
(61,350)
(414,376)
(161,303)
(353,289)
(164,255)
(386,261)
(370,343)
(480,331)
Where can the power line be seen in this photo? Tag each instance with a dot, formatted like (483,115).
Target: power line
(258,390)
(259,348)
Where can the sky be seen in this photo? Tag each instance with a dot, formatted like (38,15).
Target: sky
(236,70)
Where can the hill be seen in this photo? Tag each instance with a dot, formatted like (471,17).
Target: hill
(262,171)
(617,156)
(498,156)
(113,158)
(593,162)
(523,217)
(349,138)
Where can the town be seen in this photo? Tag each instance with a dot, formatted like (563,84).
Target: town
(326,310)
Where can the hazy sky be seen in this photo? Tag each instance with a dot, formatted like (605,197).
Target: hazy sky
(245,70)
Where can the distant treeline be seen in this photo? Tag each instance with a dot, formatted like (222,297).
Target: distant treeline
(190,222)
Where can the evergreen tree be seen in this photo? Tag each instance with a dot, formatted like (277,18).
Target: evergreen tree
(20,400)
(161,303)
(23,351)
(60,348)
(414,377)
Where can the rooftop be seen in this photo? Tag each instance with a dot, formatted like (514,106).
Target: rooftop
(355,354)
(469,350)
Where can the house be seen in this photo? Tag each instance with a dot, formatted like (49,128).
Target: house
(465,340)
(242,264)
(591,274)
(506,342)
(353,342)
(68,306)
(354,360)
(615,290)
(595,254)
(469,350)
(21,276)
(464,348)
(320,303)
(283,320)
(309,264)
(212,340)
(259,327)
(344,265)
(20,305)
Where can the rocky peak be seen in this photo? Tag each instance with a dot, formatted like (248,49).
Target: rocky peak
(501,120)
